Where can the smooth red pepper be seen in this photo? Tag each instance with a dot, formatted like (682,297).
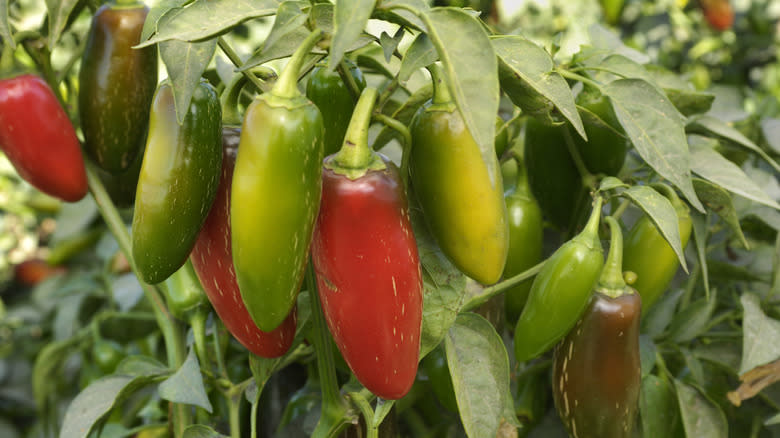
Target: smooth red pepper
(38,138)
(213,262)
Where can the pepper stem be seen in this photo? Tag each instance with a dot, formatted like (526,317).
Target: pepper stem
(592,227)
(354,152)
(612,275)
(441,94)
(287,85)
(521,180)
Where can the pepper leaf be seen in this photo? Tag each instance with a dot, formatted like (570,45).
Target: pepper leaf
(5,27)
(59,11)
(186,63)
(663,215)
(471,71)
(700,416)
(186,385)
(479,366)
(708,125)
(760,335)
(718,200)
(350,18)
(700,235)
(420,53)
(655,128)
(658,408)
(532,70)
(289,18)
(201,431)
(155,15)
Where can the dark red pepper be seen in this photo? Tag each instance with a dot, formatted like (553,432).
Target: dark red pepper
(38,138)
(213,262)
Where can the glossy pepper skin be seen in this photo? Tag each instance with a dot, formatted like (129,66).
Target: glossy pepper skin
(38,138)
(525,242)
(332,96)
(461,196)
(596,369)
(649,255)
(605,150)
(560,292)
(117,84)
(121,187)
(366,262)
(276,196)
(178,181)
(552,176)
(213,262)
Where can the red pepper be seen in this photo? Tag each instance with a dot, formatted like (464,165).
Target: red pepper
(38,138)
(213,262)
(366,262)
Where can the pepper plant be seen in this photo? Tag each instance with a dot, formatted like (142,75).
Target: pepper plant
(389,218)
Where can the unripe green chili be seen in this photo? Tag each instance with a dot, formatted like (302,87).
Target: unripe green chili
(560,291)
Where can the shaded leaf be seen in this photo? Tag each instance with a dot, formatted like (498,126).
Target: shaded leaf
(658,318)
(658,407)
(709,125)
(663,215)
(760,334)
(420,54)
(700,416)
(611,183)
(185,63)
(693,320)
(289,18)
(201,431)
(350,19)
(700,235)
(5,27)
(186,385)
(718,200)
(156,13)
(58,11)
(48,363)
(404,114)
(283,48)
(390,43)
(656,130)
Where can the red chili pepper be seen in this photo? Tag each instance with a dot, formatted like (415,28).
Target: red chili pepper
(213,262)
(38,138)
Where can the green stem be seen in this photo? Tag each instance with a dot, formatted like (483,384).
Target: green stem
(217,350)
(407,143)
(198,324)
(569,75)
(489,292)
(367,412)
(287,85)
(346,76)
(588,180)
(611,281)
(621,209)
(441,94)
(354,152)
(234,413)
(334,416)
(387,92)
(236,60)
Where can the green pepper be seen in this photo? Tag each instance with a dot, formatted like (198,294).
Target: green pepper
(121,187)
(605,150)
(460,194)
(276,195)
(560,291)
(596,369)
(117,83)
(335,101)
(649,255)
(553,177)
(525,241)
(178,181)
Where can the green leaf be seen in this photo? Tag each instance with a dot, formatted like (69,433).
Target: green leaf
(390,43)
(700,236)
(420,54)
(137,365)
(663,215)
(611,183)
(205,18)
(712,166)
(472,73)
(262,370)
(529,70)
(350,19)
(156,13)
(283,48)
(48,363)
(658,408)
(96,401)
(186,385)
(760,335)
(655,128)
(186,63)
(708,125)
(404,114)
(479,367)
(658,318)
(614,67)
(718,200)
(201,431)
(610,43)
(322,15)
(5,27)
(647,352)
(770,128)
(59,11)
(693,320)
(289,19)
(689,102)
(700,416)
(383,407)
(74,218)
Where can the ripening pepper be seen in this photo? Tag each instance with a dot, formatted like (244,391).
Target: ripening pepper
(117,84)
(718,13)
(276,195)
(332,96)
(213,262)
(460,194)
(178,181)
(596,369)
(366,262)
(38,138)
(649,255)
(560,291)
(525,241)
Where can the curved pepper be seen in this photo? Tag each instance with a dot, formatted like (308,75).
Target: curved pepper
(365,258)
(461,196)
(560,291)
(213,262)
(117,84)
(525,241)
(596,369)
(276,195)
(38,138)
(178,181)
(332,96)
(649,255)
